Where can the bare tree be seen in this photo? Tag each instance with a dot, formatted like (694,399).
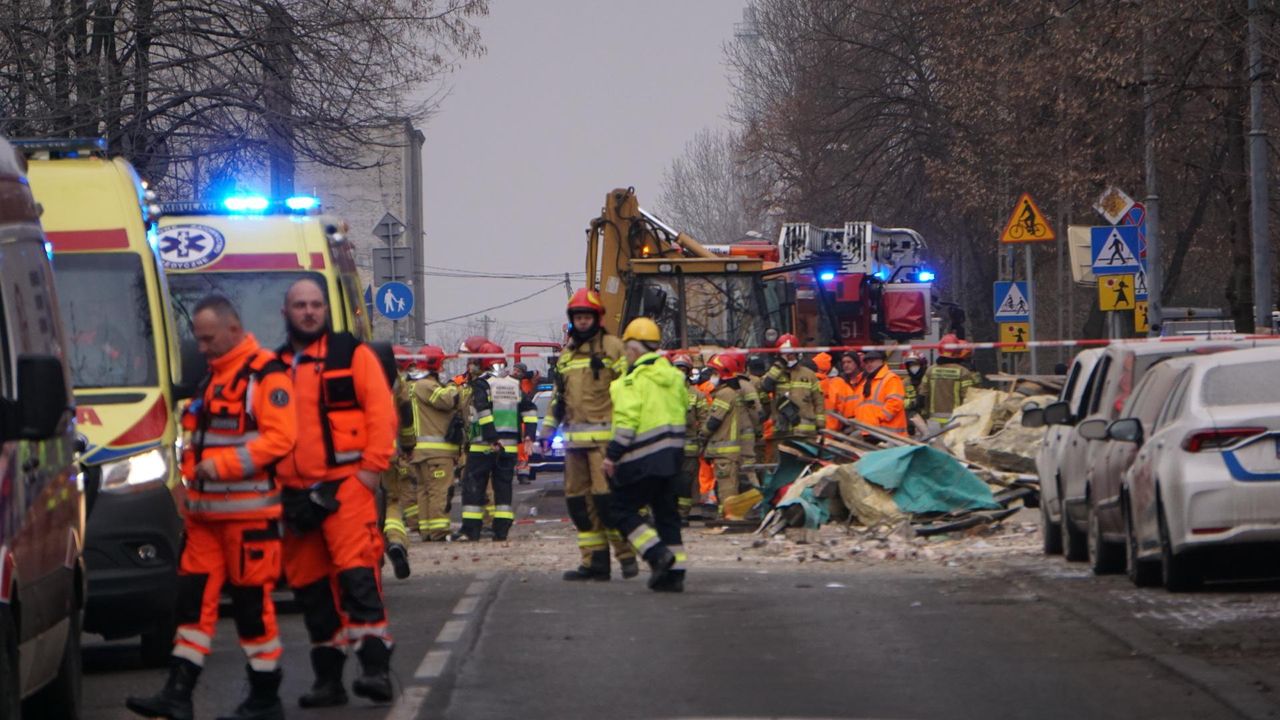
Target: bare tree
(194,93)
(708,191)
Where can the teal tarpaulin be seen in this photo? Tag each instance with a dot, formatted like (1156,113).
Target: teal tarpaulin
(923,480)
(815,511)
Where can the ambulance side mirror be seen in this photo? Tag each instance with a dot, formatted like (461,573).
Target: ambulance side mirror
(194,367)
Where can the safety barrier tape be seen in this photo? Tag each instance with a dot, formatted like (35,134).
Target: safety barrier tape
(541,521)
(910,347)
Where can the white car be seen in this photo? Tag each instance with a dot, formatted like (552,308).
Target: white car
(1205,484)
(1054,444)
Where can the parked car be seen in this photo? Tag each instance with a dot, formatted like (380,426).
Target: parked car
(1051,448)
(42,576)
(1203,489)
(1114,375)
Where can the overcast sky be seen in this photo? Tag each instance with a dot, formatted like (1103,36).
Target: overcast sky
(572,99)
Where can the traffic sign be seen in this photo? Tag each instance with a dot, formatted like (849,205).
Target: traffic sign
(1140,285)
(1113,204)
(1115,250)
(1140,322)
(394,300)
(392,264)
(1026,223)
(1137,217)
(1115,292)
(1011,302)
(1015,332)
(389,228)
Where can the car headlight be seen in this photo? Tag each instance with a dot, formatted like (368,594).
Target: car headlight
(135,473)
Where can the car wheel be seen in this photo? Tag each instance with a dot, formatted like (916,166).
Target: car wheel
(1050,532)
(10,693)
(157,643)
(61,698)
(1073,541)
(1178,573)
(1142,573)
(1104,558)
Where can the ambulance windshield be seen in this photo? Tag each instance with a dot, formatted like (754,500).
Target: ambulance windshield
(106,314)
(258,296)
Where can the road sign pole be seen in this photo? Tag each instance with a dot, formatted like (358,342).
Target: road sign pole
(1258,215)
(1031,312)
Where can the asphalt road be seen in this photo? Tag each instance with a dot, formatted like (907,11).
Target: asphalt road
(886,642)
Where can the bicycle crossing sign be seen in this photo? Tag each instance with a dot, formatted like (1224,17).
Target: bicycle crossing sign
(1115,250)
(1012,305)
(1026,223)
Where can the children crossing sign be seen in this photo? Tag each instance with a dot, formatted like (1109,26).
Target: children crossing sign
(1115,250)
(1012,303)
(1115,292)
(1014,332)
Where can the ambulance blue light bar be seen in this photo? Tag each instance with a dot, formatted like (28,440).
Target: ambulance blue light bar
(245,204)
(827,276)
(925,276)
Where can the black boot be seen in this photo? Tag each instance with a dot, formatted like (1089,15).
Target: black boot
(630,567)
(399,560)
(327,691)
(597,570)
(263,702)
(673,583)
(174,699)
(374,682)
(660,561)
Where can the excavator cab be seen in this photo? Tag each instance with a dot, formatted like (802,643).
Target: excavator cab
(643,267)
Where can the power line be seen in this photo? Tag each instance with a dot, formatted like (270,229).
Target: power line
(553,286)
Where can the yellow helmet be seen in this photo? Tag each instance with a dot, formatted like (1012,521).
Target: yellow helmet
(644,330)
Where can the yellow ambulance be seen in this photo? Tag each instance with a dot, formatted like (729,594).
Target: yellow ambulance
(251,249)
(123,363)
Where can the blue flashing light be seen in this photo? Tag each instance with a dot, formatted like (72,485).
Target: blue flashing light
(302,203)
(925,276)
(881,275)
(826,276)
(246,203)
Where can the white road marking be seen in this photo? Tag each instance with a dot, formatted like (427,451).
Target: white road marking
(476,588)
(432,665)
(452,631)
(410,703)
(466,605)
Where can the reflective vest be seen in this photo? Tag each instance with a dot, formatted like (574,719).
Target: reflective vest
(721,429)
(650,405)
(434,406)
(838,394)
(580,403)
(695,412)
(243,420)
(502,414)
(345,407)
(883,401)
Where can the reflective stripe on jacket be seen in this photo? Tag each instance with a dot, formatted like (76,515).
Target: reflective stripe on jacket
(580,403)
(502,414)
(720,432)
(943,389)
(435,404)
(883,401)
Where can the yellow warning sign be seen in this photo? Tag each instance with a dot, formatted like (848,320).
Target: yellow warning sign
(1115,292)
(1140,323)
(1018,332)
(1026,223)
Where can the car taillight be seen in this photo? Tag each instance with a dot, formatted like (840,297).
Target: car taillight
(1218,438)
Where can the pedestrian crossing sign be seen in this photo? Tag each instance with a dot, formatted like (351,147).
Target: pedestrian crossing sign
(1012,303)
(1026,223)
(1115,292)
(1115,251)
(1016,333)
(1141,324)
(1140,285)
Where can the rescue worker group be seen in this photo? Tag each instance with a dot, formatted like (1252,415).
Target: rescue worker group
(286,452)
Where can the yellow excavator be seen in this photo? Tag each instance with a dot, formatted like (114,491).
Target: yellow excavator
(642,266)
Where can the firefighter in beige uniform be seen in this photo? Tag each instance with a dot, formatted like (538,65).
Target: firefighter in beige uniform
(438,432)
(722,443)
(581,406)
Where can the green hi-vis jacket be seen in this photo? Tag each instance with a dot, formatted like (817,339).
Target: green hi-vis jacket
(649,407)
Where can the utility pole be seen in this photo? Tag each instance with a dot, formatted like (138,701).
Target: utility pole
(568,287)
(485,322)
(1155,272)
(1258,195)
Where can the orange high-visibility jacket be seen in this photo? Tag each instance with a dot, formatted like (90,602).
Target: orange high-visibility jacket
(885,405)
(351,426)
(837,392)
(245,422)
